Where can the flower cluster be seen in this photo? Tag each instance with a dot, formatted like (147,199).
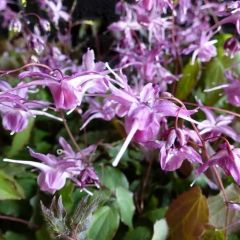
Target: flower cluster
(155,39)
(56,169)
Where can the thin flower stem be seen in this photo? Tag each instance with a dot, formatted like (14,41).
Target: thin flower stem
(6,72)
(69,132)
(214,108)
(215,171)
(33,15)
(218,179)
(19,220)
(205,155)
(216,22)
(145,183)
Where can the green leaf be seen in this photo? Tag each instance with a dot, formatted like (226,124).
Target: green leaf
(188,80)
(213,234)
(12,207)
(43,233)
(214,76)
(233,237)
(139,233)
(104,225)
(217,209)
(9,188)
(29,186)
(9,235)
(20,140)
(187,215)
(67,195)
(160,230)
(126,205)
(112,178)
(156,214)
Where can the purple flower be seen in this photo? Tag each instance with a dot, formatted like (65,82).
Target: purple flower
(231,46)
(88,62)
(214,126)
(16,109)
(3,5)
(163,5)
(147,4)
(36,43)
(228,158)
(175,150)
(67,91)
(234,17)
(184,5)
(15,25)
(143,112)
(204,50)
(15,120)
(232,89)
(105,110)
(55,170)
(56,11)
(64,95)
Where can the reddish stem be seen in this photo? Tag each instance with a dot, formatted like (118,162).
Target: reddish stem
(15,219)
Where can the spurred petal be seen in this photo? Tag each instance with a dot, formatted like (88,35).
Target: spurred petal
(125,144)
(38,165)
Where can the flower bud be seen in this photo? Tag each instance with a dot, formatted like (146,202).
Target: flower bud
(15,26)
(231,46)
(45,25)
(37,44)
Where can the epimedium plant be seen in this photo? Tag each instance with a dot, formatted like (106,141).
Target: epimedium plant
(148,133)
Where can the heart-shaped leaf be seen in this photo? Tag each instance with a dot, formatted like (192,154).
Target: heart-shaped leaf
(187,215)
(104,225)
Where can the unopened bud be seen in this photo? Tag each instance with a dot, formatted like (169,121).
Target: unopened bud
(231,46)
(15,26)
(45,25)
(37,44)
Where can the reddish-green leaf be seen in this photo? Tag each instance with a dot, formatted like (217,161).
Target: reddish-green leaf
(187,215)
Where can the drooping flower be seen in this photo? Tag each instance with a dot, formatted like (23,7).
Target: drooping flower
(143,113)
(175,150)
(228,158)
(16,109)
(231,46)
(67,91)
(55,170)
